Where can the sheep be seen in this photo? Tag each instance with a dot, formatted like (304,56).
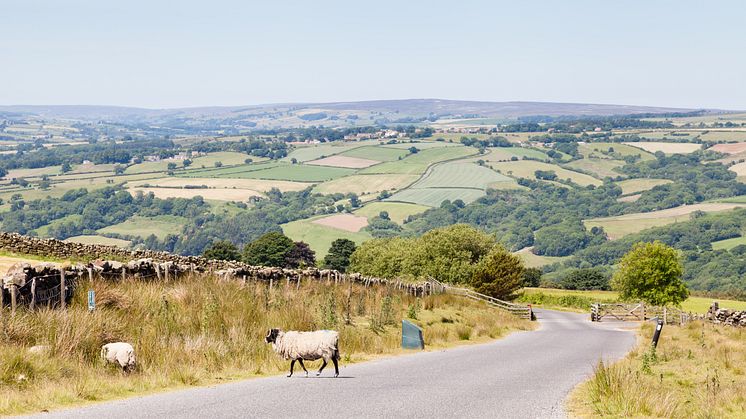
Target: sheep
(120,353)
(308,346)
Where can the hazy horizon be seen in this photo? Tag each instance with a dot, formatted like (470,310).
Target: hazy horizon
(151,55)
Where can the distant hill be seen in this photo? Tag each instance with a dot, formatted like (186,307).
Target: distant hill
(385,108)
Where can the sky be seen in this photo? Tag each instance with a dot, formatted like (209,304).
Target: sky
(160,54)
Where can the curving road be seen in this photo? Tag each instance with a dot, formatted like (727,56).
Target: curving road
(525,375)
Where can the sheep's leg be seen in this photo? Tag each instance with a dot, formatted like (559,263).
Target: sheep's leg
(292,364)
(322,367)
(300,361)
(336,366)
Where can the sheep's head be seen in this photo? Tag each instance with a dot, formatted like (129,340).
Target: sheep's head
(271,335)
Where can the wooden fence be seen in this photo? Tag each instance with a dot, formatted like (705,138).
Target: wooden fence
(520,310)
(637,312)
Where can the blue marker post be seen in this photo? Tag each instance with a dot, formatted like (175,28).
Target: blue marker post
(91,300)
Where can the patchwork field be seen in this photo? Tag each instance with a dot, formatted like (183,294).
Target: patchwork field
(398,211)
(433,197)
(527,169)
(633,186)
(221,183)
(668,148)
(422,145)
(597,150)
(346,222)
(460,175)
(344,161)
(739,169)
(718,135)
(732,148)
(365,184)
(620,226)
(506,153)
(320,237)
(161,226)
(600,168)
(211,194)
(314,152)
(418,163)
(106,241)
(380,153)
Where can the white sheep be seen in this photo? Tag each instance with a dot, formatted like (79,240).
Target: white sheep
(308,346)
(120,353)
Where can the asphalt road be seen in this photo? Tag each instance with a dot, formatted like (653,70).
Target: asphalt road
(525,375)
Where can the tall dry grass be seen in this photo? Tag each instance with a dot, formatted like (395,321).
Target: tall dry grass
(697,371)
(201,330)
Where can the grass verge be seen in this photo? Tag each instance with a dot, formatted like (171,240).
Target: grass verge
(697,371)
(201,331)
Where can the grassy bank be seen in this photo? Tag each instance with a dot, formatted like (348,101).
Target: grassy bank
(582,300)
(698,371)
(200,331)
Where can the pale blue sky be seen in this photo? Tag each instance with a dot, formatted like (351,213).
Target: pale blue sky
(219,52)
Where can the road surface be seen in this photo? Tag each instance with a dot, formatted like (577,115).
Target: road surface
(525,375)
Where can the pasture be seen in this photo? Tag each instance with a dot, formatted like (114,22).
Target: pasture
(667,148)
(527,169)
(532,260)
(731,148)
(433,197)
(365,184)
(379,153)
(722,135)
(600,168)
(209,194)
(728,244)
(160,226)
(459,175)
(418,163)
(603,150)
(320,237)
(507,153)
(633,186)
(93,239)
(398,211)
(620,226)
(343,161)
(346,222)
(739,169)
(314,152)
(221,183)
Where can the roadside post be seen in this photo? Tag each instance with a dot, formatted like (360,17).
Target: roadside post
(91,300)
(411,336)
(657,334)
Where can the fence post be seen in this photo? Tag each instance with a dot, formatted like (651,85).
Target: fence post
(13,288)
(33,293)
(2,299)
(62,288)
(665,315)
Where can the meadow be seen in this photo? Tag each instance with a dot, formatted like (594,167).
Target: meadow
(419,162)
(633,186)
(433,197)
(366,184)
(160,226)
(320,237)
(620,226)
(667,148)
(599,168)
(527,168)
(398,211)
(202,331)
(597,149)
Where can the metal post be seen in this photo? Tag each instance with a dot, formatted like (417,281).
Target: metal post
(657,333)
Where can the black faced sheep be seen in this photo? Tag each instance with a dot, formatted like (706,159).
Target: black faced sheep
(120,353)
(308,346)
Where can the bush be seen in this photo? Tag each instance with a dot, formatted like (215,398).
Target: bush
(586,279)
(499,274)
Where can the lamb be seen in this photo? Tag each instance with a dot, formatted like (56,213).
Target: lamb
(306,346)
(120,353)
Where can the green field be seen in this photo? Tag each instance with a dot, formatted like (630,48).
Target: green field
(600,168)
(228,158)
(728,244)
(313,152)
(633,186)
(106,241)
(365,184)
(460,175)
(398,211)
(594,150)
(160,226)
(433,197)
(320,237)
(693,304)
(506,153)
(229,172)
(300,173)
(43,231)
(535,261)
(422,145)
(526,169)
(418,163)
(378,153)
